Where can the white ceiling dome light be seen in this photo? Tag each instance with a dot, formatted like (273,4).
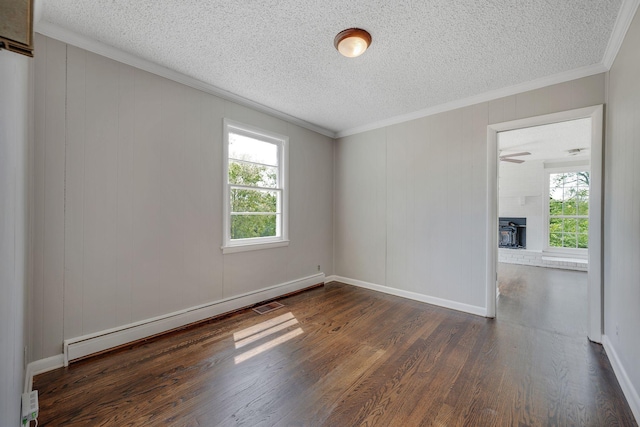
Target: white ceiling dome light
(352,42)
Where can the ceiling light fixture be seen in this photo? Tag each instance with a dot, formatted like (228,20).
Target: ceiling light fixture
(352,42)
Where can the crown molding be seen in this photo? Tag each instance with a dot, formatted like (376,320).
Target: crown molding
(623,21)
(566,76)
(56,32)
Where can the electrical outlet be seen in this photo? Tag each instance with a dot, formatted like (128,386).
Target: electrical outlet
(617,331)
(29,406)
(318,267)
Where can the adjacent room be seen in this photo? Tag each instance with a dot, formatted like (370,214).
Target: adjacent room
(319,214)
(543,196)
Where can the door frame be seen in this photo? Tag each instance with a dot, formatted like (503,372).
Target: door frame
(595,279)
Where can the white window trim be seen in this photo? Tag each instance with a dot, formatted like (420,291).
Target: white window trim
(551,250)
(282,141)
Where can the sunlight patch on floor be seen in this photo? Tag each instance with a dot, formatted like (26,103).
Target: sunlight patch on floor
(264,329)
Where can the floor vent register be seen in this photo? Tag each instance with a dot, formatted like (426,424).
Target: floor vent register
(269,307)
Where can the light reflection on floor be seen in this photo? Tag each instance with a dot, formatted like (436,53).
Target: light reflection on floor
(264,329)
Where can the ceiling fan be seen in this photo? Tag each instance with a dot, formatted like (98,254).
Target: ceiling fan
(508,157)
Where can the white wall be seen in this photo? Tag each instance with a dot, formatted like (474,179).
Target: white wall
(128,199)
(410,201)
(622,211)
(14,94)
(521,191)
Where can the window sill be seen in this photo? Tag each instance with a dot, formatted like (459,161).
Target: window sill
(254,246)
(566,253)
(580,261)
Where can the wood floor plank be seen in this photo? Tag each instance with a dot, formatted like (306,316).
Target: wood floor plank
(345,356)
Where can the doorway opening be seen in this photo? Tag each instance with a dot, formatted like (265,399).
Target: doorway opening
(562,218)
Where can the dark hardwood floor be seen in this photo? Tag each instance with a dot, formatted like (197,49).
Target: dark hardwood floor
(343,356)
(548,299)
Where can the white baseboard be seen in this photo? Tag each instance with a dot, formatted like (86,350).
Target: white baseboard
(86,345)
(332,278)
(628,389)
(39,367)
(454,305)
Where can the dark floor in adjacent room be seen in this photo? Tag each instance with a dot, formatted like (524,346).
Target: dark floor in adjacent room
(339,355)
(548,299)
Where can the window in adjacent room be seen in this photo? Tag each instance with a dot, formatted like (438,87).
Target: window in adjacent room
(255,190)
(568,210)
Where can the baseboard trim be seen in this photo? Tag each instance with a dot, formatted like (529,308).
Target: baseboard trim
(630,392)
(86,345)
(39,367)
(332,278)
(453,305)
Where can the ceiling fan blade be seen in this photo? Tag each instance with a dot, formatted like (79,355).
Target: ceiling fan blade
(506,159)
(524,153)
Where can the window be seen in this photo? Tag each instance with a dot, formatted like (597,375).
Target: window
(255,190)
(568,210)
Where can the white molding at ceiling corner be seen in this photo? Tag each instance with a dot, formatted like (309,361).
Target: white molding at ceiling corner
(623,21)
(566,76)
(66,36)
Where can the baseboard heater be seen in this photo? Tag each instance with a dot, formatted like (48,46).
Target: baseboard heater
(87,345)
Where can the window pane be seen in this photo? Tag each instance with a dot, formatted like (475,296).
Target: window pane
(584,179)
(555,207)
(570,186)
(569,207)
(555,240)
(583,204)
(583,240)
(253,150)
(569,240)
(555,225)
(243,200)
(556,186)
(583,226)
(250,226)
(253,175)
(570,225)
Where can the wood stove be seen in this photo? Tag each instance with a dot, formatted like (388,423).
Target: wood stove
(512,233)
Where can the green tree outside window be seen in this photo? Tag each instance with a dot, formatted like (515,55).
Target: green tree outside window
(254,187)
(569,210)
(253,212)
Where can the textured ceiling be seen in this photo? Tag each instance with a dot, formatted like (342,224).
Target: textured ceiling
(549,142)
(280,53)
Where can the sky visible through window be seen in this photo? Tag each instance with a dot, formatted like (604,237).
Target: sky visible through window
(244,148)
